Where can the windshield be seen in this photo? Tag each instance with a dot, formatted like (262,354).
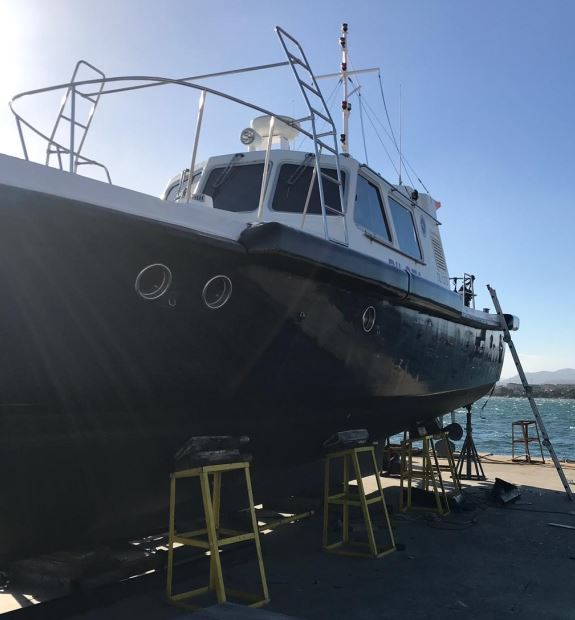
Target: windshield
(293,186)
(235,188)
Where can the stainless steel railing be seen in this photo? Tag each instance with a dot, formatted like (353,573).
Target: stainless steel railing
(92,90)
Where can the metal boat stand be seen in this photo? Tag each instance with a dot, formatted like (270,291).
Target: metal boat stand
(213,537)
(430,474)
(348,498)
(469,455)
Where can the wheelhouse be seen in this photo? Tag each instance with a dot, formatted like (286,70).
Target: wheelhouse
(392,223)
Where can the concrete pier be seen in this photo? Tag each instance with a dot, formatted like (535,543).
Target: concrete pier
(488,561)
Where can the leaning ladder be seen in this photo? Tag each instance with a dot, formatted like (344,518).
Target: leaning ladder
(546,441)
(314,100)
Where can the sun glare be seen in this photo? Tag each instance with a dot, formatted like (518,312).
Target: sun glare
(10,49)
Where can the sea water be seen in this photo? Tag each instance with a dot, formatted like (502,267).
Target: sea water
(492,418)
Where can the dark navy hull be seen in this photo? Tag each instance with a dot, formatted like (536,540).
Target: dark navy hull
(99,388)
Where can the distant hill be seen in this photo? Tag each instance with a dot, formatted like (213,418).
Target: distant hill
(565,376)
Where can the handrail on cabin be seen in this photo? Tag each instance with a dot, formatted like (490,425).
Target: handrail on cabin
(150,81)
(76,158)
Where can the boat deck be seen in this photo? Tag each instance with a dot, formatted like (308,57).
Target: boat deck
(490,561)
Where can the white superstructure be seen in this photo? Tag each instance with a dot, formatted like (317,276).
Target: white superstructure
(389,222)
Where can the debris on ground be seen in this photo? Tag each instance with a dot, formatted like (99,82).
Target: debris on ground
(504,492)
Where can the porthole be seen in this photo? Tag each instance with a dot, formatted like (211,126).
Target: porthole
(368,319)
(153,281)
(217,292)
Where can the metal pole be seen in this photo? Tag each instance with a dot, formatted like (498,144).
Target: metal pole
(266,167)
(307,199)
(22,141)
(324,76)
(72,124)
(345,103)
(469,435)
(208,75)
(196,140)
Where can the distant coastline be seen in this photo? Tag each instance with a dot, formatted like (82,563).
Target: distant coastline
(546,390)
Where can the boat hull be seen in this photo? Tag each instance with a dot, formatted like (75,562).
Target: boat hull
(99,387)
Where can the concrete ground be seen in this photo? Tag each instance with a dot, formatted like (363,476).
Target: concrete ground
(488,561)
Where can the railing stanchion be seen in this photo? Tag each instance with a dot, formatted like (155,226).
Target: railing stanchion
(266,168)
(72,123)
(200,117)
(308,197)
(22,141)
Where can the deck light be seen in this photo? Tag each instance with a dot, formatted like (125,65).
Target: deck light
(248,136)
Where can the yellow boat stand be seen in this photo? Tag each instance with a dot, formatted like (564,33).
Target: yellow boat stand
(348,498)
(429,474)
(213,537)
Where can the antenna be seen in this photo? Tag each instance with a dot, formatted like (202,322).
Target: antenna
(400,157)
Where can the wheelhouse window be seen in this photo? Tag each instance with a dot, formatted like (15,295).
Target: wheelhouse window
(172,194)
(369,213)
(405,229)
(293,185)
(235,187)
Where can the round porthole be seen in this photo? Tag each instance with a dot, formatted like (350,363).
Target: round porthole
(368,319)
(217,292)
(153,281)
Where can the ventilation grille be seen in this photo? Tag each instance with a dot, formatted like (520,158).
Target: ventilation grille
(438,251)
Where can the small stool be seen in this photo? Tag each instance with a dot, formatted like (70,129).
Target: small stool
(525,440)
(345,499)
(430,474)
(213,537)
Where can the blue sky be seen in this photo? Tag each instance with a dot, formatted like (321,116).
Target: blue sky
(487,100)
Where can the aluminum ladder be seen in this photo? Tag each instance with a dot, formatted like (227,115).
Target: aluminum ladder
(314,100)
(546,441)
(78,129)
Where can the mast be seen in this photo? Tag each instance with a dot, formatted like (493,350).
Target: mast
(343,76)
(345,105)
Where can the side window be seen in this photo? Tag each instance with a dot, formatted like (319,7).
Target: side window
(369,213)
(173,191)
(293,185)
(405,229)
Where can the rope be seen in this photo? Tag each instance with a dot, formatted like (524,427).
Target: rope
(381,141)
(415,173)
(403,158)
(485,403)
(362,128)
(386,112)
(393,139)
